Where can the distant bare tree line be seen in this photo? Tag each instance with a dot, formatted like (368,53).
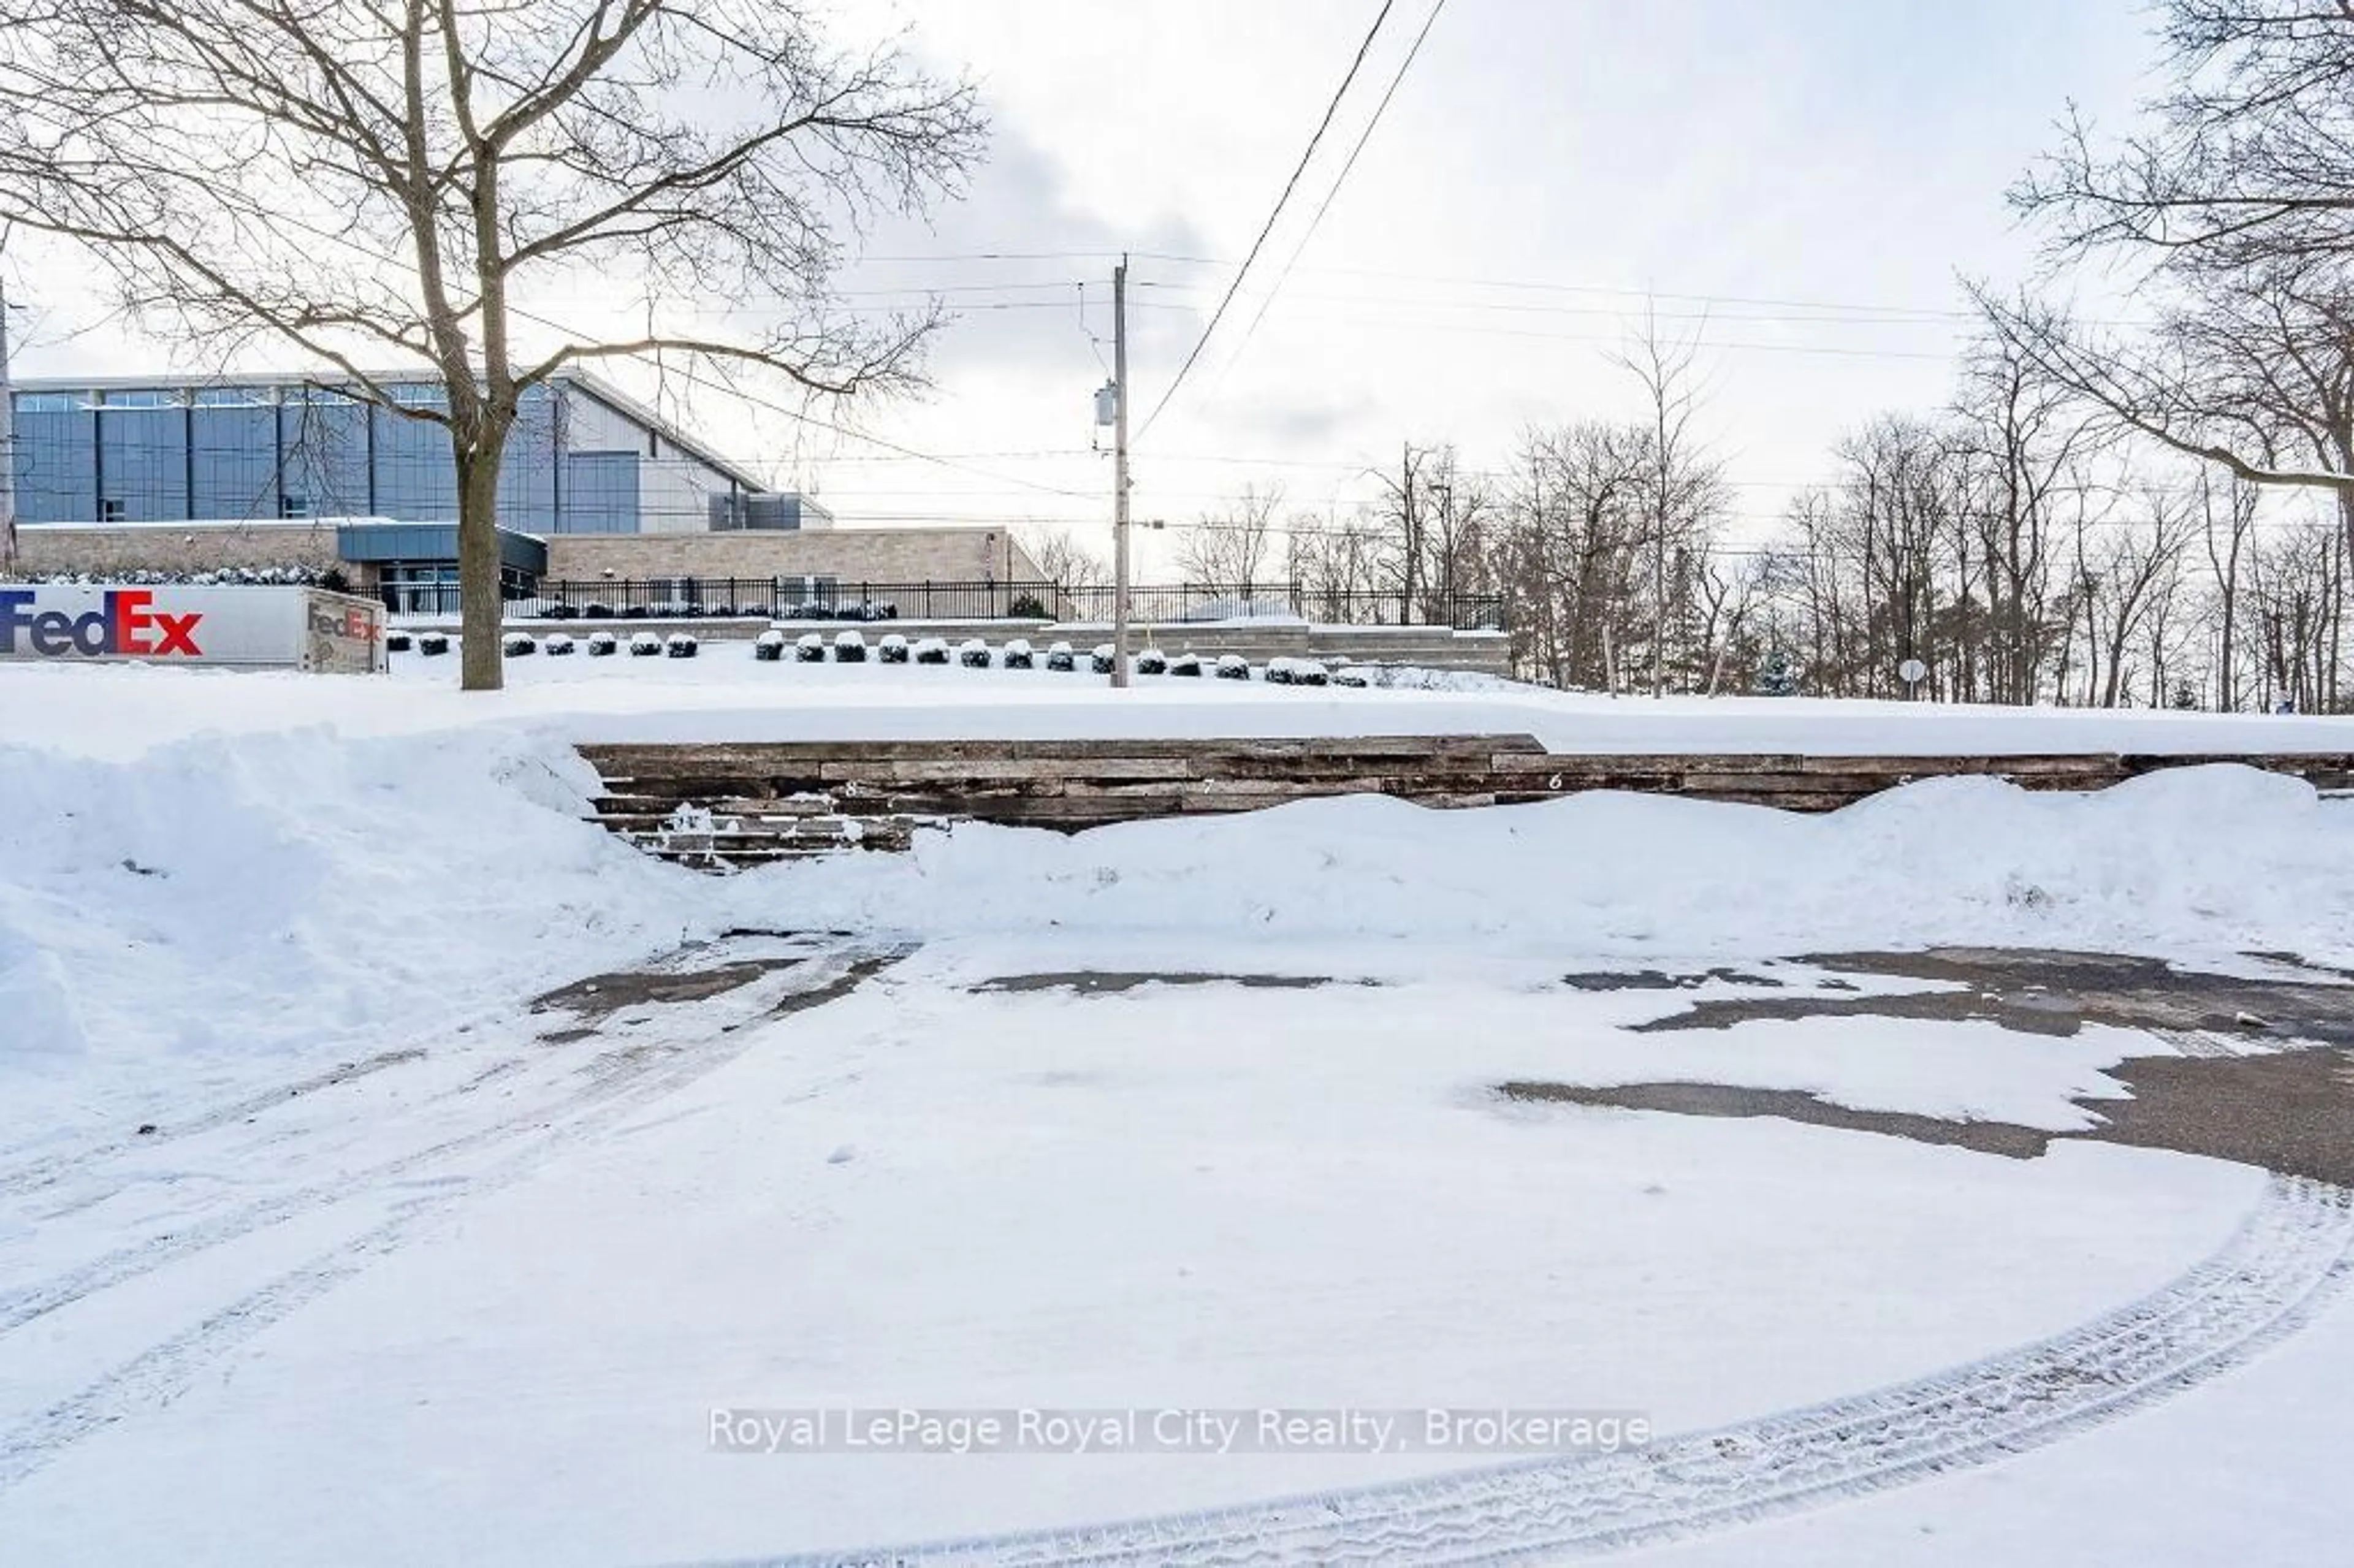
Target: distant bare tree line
(2106,513)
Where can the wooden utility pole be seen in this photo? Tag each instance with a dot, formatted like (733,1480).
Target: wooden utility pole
(1119,568)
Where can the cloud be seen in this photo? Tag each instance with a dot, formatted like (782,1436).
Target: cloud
(1034,305)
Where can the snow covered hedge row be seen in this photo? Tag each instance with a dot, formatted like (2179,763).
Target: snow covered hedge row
(852,648)
(291,576)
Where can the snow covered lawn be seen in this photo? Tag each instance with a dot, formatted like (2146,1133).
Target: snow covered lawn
(317,1243)
(725,693)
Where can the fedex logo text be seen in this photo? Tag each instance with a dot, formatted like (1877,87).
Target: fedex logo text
(126,623)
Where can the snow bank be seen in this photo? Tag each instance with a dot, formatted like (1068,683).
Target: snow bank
(2218,859)
(188,868)
(241,900)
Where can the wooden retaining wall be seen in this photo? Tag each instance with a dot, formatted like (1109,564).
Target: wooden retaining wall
(727,805)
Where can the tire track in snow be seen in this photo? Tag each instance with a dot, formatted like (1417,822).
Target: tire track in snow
(49,1168)
(2292,1254)
(614,1074)
(159,1373)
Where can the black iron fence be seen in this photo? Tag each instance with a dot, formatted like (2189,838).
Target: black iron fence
(843,599)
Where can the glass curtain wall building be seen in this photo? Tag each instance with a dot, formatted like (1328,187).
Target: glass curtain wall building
(584,459)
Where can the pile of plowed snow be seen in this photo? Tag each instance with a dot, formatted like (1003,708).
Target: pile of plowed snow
(288,887)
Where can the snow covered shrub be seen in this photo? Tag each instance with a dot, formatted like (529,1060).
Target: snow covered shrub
(973,654)
(557,645)
(592,611)
(810,648)
(644,645)
(1351,675)
(396,642)
(1309,673)
(849,648)
(601,644)
(1016,655)
(680,645)
(893,649)
(1101,659)
(519,644)
(1151,662)
(769,647)
(931,650)
(1186,664)
(1278,670)
(1060,657)
(432,642)
(1232,667)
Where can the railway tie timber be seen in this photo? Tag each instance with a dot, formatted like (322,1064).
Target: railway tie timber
(730,805)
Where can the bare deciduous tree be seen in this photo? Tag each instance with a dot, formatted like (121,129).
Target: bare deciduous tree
(1684,487)
(2248,159)
(362,181)
(1339,562)
(1231,546)
(1062,560)
(2234,207)
(1576,531)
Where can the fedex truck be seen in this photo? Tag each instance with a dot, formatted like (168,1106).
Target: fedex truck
(286,628)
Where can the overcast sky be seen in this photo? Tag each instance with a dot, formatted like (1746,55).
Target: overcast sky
(1811,175)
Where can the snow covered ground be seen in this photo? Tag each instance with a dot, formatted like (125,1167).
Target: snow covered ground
(404,1271)
(724,693)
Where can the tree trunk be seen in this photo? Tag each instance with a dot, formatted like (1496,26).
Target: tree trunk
(481,598)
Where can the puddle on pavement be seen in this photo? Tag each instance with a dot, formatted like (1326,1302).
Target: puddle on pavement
(1106,982)
(695,973)
(1663,979)
(2007,1138)
(2287,1108)
(2038,992)
(2291,1111)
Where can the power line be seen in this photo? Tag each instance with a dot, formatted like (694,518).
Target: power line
(689,376)
(1341,179)
(1820,315)
(1597,337)
(1330,109)
(993,256)
(757,401)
